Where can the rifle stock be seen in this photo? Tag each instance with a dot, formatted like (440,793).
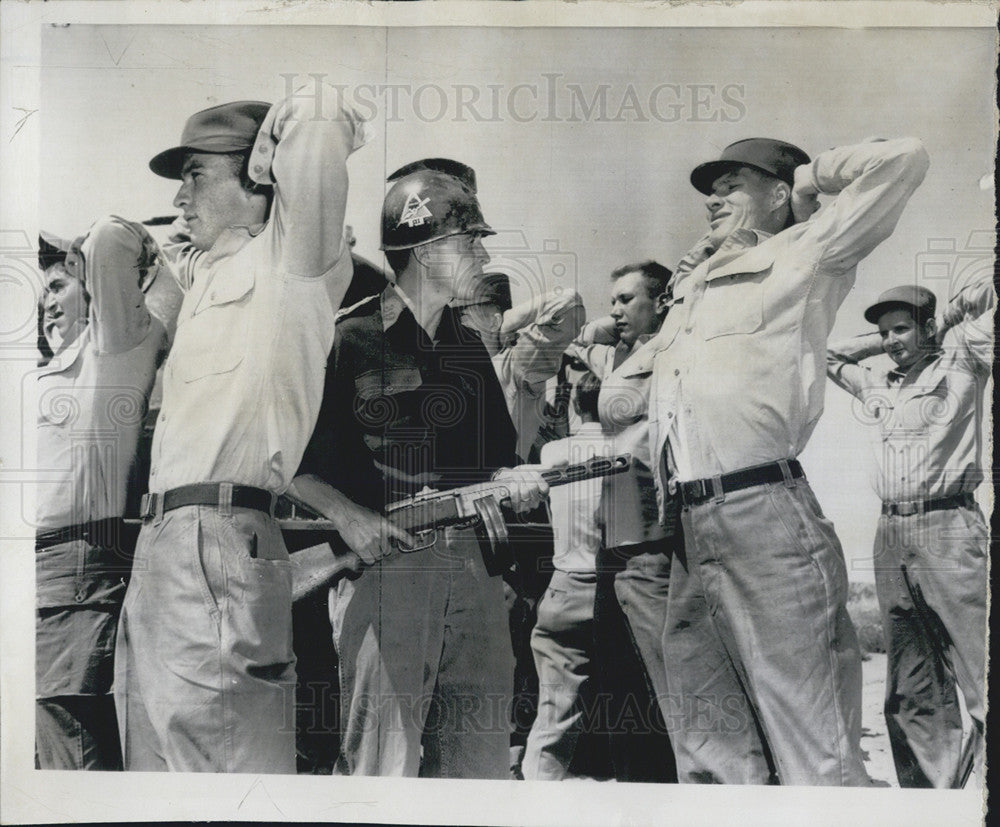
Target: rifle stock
(323,565)
(320,567)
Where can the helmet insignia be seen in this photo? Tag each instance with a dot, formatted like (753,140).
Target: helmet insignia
(415,211)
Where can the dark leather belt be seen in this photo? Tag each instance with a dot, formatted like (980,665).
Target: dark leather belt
(105,532)
(221,495)
(716,488)
(908,509)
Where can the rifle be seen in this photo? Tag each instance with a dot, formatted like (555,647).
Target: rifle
(422,515)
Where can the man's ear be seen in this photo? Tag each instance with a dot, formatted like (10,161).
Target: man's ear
(930,330)
(422,254)
(661,304)
(781,194)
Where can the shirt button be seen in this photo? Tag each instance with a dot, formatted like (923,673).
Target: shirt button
(677,371)
(262,149)
(670,416)
(258,168)
(79,597)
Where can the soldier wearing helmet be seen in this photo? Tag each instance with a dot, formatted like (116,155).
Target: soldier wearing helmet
(412,400)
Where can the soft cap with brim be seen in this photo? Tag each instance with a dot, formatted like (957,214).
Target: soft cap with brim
(229,127)
(51,249)
(768,155)
(920,300)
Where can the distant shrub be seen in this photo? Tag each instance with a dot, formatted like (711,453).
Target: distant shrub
(862,606)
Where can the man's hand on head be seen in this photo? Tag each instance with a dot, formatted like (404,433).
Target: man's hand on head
(941,327)
(805,200)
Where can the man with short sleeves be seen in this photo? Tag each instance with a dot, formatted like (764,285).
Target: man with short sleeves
(205,674)
(762,657)
(93,395)
(931,542)
(412,401)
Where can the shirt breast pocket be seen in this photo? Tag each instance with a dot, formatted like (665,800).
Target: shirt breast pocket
(733,304)
(379,401)
(213,340)
(929,408)
(734,298)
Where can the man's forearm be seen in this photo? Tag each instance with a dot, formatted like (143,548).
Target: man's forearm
(842,361)
(872,182)
(855,350)
(321,497)
(302,149)
(972,301)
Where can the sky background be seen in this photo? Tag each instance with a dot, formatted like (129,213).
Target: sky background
(574,194)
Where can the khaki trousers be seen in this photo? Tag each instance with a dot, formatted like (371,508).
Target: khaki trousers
(764,664)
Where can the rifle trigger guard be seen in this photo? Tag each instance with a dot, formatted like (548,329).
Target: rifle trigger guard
(425,539)
(491,531)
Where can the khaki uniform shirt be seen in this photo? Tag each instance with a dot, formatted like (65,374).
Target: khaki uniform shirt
(628,512)
(93,393)
(739,374)
(929,417)
(244,381)
(525,366)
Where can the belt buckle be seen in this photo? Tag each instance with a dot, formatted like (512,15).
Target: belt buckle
(150,506)
(908,509)
(717,493)
(672,486)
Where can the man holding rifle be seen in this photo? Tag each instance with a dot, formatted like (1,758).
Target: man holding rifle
(412,401)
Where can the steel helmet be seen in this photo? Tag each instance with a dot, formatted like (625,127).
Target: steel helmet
(430,199)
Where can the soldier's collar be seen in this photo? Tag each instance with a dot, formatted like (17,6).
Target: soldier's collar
(393,302)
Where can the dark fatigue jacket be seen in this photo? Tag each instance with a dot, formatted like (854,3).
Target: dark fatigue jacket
(401,412)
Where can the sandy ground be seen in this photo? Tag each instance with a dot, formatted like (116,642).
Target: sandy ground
(874,737)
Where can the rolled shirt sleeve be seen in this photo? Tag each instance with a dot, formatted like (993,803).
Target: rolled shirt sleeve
(842,362)
(969,319)
(872,182)
(302,149)
(113,254)
(544,328)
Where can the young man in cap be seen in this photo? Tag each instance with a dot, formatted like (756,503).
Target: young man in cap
(412,400)
(762,658)
(93,394)
(205,674)
(931,542)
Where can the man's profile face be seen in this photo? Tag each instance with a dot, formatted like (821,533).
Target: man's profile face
(64,301)
(903,338)
(740,199)
(213,199)
(635,312)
